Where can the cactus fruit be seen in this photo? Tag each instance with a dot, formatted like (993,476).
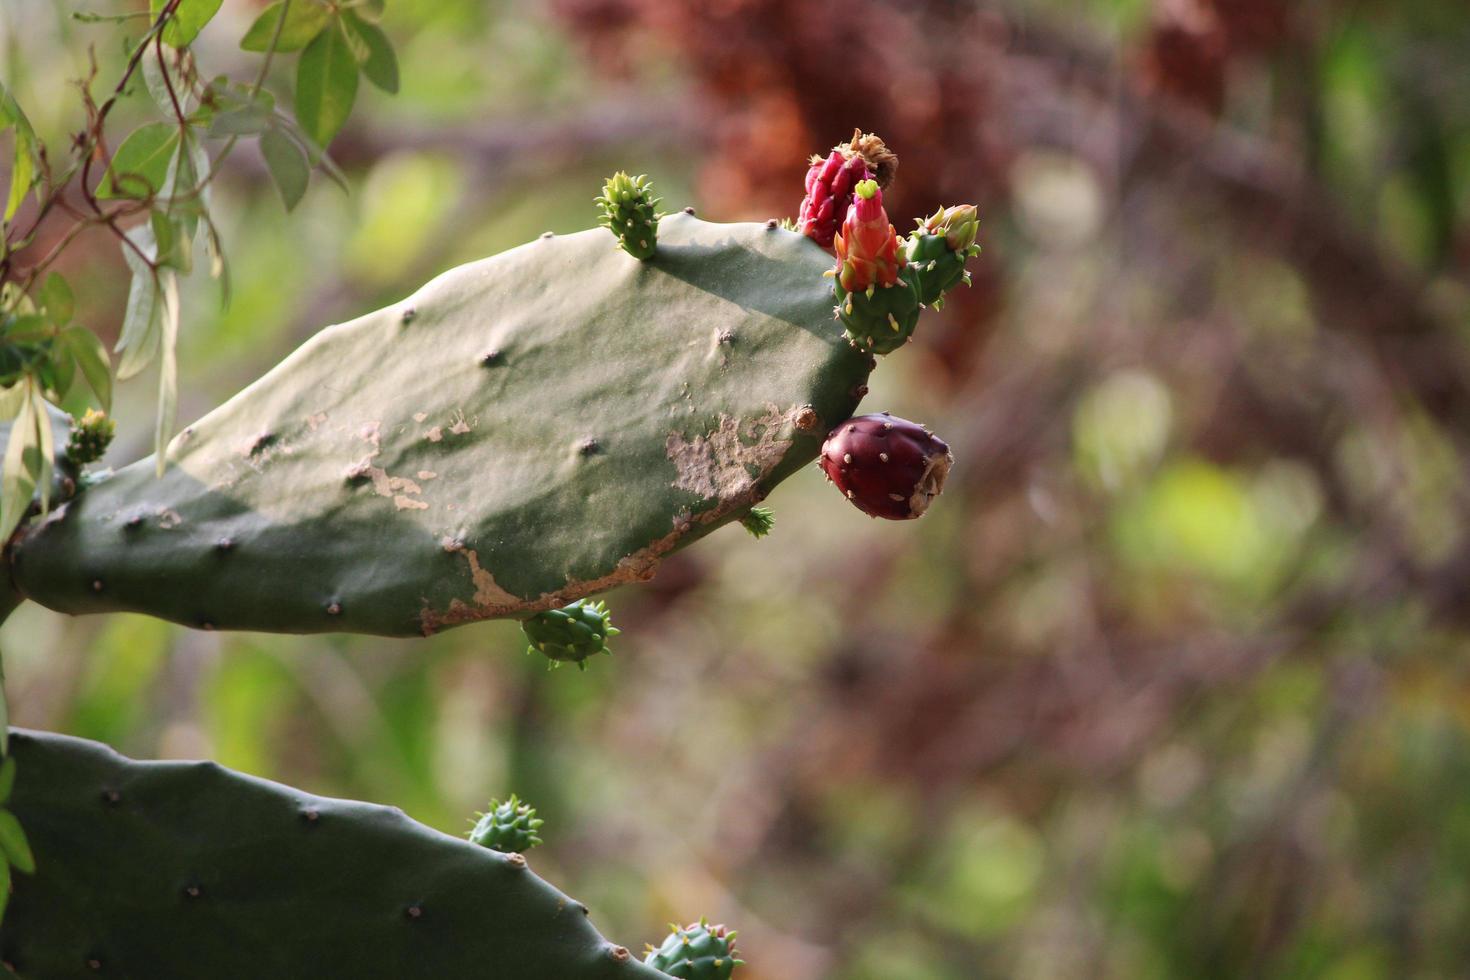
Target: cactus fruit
(830,181)
(571,634)
(759,521)
(886,466)
(877,305)
(628,211)
(698,951)
(90,437)
(937,251)
(177,870)
(546,424)
(509,827)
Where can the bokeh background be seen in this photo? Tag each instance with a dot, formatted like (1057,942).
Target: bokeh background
(1174,679)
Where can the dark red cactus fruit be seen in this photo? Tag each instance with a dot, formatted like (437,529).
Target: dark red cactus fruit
(888,467)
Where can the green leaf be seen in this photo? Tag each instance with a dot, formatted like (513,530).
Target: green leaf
(62,368)
(91,357)
(23,167)
(17,486)
(140,166)
(304,21)
(138,342)
(56,299)
(326,85)
(7,771)
(168,378)
(188,19)
(374,53)
(14,845)
(7,767)
(287,164)
(4,888)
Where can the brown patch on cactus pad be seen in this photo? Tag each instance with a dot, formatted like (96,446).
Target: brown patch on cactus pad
(717,465)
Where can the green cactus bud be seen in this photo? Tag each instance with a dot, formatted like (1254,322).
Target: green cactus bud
(696,952)
(90,437)
(572,633)
(880,319)
(628,211)
(937,251)
(509,827)
(759,521)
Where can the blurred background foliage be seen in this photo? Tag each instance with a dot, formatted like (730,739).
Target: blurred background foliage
(1173,681)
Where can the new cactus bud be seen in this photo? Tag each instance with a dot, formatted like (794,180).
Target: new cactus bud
(509,827)
(90,437)
(572,633)
(876,303)
(830,181)
(629,212)
(937,251)
(698,951)
(887,467)
(759,521)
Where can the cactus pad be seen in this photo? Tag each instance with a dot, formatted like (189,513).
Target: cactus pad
(628,211)
(509,827)
(522,432)
(181,870)
(571,634)
(696,952)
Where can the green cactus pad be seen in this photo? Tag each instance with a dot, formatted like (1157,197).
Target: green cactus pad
(522,432)
(509,827)
(879,320)
(696,952)
(629,212)
(759,521)
(90,436)
(571,634)
(184,870)
(934,269)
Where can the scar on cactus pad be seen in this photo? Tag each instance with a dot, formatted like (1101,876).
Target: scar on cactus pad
(572,633)
(698,951)
(508,827)
(628,211)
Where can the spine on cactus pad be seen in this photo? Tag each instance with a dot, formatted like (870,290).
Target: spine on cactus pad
(876,302)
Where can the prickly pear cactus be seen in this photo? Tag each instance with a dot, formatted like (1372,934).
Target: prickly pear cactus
(937,250)
(90,436)
(698,951)
(520,433)
(629,212)
(886,466)
(876,301)
(509,827)
(183,870)
(571,634)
